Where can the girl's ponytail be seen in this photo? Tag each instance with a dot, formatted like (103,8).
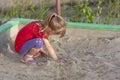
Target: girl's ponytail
(48,19)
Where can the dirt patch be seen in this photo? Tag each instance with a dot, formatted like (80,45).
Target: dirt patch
(90,55)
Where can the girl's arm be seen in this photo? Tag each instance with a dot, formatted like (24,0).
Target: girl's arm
(50,49)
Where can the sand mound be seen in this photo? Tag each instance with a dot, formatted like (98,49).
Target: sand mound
(90,55)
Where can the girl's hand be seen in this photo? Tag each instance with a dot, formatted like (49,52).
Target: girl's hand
(43,53)
(61,60)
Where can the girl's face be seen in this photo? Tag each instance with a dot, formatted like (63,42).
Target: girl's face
(52,32)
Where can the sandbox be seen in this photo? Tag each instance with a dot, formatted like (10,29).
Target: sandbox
(91,55)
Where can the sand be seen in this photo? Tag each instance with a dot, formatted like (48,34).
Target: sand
(90,55)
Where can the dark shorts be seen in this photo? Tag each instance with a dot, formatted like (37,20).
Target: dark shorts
(33,43)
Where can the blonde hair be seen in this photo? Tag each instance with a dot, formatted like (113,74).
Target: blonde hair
(56,23)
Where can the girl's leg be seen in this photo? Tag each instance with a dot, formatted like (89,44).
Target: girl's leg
(28,58)
(43,53)
(30,48)
(35,52)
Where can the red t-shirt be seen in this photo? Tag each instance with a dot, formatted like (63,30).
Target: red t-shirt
(29,31)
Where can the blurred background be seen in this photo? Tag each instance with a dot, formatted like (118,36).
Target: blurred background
(86,11)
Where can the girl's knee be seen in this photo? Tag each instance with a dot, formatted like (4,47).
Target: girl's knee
(34,50)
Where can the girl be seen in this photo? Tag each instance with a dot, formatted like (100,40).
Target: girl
(31,38)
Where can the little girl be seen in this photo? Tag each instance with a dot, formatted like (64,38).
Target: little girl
(33,36)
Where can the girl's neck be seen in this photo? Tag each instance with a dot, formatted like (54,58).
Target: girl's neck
(41,23)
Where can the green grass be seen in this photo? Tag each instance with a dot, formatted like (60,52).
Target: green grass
(81,12)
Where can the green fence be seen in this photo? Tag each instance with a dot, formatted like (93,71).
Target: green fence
(16,21)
